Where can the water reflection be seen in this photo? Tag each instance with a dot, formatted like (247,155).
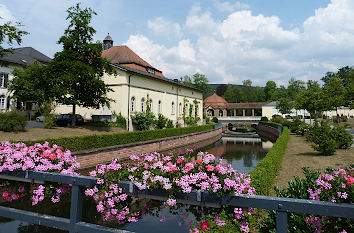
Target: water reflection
(242,153)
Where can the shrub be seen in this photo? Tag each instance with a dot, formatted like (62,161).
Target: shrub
(263,118)
(160,122)
(49,121)
(326,140)
(169,124)
(215,120)
(265,172)
(333,185)
(143,120)
(86,142)
(344,118)
(271,124)
(207,120)
(120,122)
(12,121)
(342,138)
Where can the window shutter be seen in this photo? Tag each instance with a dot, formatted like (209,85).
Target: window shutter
(6,77)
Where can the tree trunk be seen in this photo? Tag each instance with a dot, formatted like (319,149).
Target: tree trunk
(73,119)
(337,115)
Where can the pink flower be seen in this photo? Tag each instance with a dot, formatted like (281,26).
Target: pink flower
(204,225)
(349,179)
(199,161)
(210,168)
(188,167)
(171,202)
(163,219)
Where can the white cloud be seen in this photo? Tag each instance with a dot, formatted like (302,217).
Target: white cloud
(5,15)
(229,7)
(245,46)
(163,27)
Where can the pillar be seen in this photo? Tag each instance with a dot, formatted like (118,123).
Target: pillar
(234,112)
(253,112)
(243,112)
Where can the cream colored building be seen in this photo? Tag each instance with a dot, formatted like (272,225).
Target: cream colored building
(137,80)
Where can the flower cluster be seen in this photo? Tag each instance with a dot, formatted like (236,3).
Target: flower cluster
(17,156)
(173,173)
(335,185)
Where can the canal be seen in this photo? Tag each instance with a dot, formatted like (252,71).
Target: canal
(243,153)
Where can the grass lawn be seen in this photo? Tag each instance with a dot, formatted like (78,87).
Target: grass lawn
(40,133)
(300,154)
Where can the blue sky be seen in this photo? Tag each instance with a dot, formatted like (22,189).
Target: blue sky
(228,41)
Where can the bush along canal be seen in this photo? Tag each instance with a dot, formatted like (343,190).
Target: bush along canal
(222,170)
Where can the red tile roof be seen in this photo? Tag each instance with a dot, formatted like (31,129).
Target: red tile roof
(215,101)
(246,105)
(124,56)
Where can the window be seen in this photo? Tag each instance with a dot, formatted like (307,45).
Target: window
(143,104)
(221,113)
(150,105)
(180,109)
(2,102)
(151,71)
(173,108)
(159,107)
(3,79)
(186,109)
(132,104)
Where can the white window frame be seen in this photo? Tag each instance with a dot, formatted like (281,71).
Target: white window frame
(2,102)
(159,107)
(132,104)
(173,108)
(142,105)
(2,80)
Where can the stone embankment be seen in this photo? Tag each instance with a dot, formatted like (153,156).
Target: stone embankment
(91,158)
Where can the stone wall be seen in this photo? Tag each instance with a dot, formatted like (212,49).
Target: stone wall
(179,143)
(266,131)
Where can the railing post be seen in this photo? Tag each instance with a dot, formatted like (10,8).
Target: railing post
(76,207)
(281,221)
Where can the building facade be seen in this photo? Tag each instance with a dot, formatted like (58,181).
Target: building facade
(136,81)
(217,106)
(19,58)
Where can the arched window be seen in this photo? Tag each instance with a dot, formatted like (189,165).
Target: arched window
(143,104)
(132,104)
(221,113)
(2,102)
(150,105)
(186,109)
(180,109)
(173,108)
(159,107)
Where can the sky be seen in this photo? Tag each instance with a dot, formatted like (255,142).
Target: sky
(228,41)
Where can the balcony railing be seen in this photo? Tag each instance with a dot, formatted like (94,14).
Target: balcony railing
(282,206)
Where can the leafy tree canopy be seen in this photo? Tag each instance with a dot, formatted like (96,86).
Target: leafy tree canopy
(10,34)
(199,81)
(79,66)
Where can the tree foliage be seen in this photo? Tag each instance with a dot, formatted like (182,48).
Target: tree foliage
(199,81)
(79,66)
(34,84)
(10,33)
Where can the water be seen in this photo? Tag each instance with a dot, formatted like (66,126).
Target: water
(242,153)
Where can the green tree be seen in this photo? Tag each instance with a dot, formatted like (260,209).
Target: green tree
(34,84)
(269,90)
(233,94)
(310,99)
(335,93)
(281,92)
(284,105)
(79,66)
(10,33)
(199,81)
(294,87)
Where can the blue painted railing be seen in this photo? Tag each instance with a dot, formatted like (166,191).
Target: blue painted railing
(282,206)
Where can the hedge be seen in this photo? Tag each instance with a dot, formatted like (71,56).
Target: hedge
(262,177)
(78,143)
